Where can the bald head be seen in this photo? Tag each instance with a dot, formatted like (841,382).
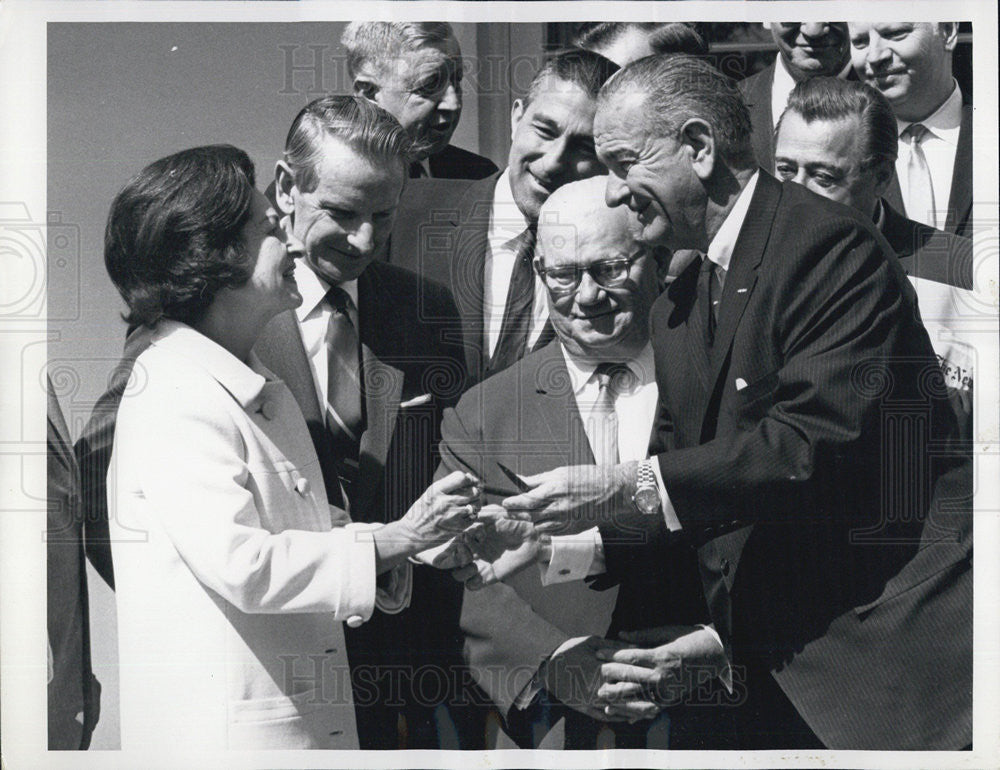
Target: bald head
(601,282)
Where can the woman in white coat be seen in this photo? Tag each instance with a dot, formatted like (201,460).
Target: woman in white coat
(233,573)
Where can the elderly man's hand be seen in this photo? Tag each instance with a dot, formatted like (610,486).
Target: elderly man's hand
(687,657)
(574,498)
(501,546)
(572,674)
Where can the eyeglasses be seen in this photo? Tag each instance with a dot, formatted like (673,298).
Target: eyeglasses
(607,273)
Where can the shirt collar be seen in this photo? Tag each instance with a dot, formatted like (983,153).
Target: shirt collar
(313,289)
(507,221)
(245,382)
(720,250)
(879,215)
(946,121)
(581,371)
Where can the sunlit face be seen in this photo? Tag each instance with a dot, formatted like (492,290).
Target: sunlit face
(271,288)
(597,322)
(812,48)
(652,175)
(825,156)
(423,90)
(345,222)
(908,62)
(552,143)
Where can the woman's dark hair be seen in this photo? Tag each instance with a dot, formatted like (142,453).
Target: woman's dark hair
(173,235)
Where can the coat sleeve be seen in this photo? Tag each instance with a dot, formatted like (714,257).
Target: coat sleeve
(505,639)
(187,456)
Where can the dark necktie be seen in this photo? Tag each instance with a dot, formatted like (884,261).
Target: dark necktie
(517,311)
(704,306)
(919,186)
(612,379)
(344,416)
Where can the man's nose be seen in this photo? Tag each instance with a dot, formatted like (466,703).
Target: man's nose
(452,99)
(589,291)
(363,238)
(877,50)
(814,29)
(553,162)
(615,192)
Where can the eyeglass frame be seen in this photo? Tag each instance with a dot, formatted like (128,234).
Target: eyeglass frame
(579,270)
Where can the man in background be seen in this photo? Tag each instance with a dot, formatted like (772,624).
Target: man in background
(911,64)
(838,138)
(414,71)
(805,50)
(477,238)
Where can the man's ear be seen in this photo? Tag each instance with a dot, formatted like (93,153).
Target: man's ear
(516,113)
(883,177)
(284,187)
(698,138)
(948,30)
(365,87)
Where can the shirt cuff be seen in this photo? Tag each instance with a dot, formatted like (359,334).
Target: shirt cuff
(669,514)
(572,557)
(725,676)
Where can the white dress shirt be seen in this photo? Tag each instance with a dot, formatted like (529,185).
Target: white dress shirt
(939,144)
(507,223)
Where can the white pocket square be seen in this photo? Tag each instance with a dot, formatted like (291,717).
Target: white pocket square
(417,401)
(740,383)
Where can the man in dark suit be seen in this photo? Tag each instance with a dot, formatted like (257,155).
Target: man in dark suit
(806,49)
(838,139)
(414,71)
(531,639)
(477,237)
(808,442)
(910,63)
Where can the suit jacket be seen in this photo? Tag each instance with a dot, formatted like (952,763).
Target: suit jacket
(959,218)
(441,232)
(413,367)
(783,464)
(455,163)
(756,92)
(512,626)
(229,560)
(939,265)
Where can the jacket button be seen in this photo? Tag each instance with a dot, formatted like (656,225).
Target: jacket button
(564,571)
(302,485)
(725,567)
(268,410)
(355,621)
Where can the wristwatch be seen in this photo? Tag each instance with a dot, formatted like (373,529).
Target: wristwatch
(646,498)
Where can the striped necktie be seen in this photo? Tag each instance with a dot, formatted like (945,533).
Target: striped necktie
(344,414)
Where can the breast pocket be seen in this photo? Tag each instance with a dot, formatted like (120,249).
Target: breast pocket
(751,403)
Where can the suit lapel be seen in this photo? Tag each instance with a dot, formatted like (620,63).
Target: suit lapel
(383,388)
(468,266)
(280,350)
(960,195)
(742,275)
(557,407)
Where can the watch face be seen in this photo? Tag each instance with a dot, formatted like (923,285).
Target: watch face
(647,499)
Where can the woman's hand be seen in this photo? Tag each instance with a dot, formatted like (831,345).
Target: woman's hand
(446,508)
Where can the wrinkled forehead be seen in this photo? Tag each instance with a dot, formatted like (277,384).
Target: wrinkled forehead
(422,58)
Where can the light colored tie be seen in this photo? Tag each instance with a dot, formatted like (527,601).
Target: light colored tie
(612,380)
(920,204)
(344,416)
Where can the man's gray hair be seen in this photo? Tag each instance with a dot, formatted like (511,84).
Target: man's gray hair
(364,127)
(829,98)
(679,87)
(379,43)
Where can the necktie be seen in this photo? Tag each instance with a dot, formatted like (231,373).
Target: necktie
(612,379)
(344,417)
(417,170)
(704,308)
(517,311)
(919,187)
